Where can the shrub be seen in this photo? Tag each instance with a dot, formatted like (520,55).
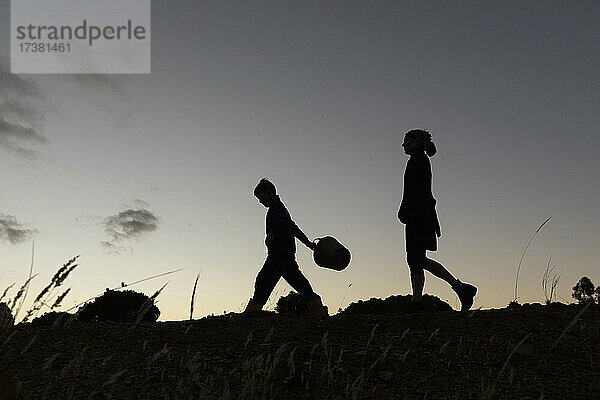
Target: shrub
(118,306)
(394,305)
(583,291)
(293,303)
(51,319)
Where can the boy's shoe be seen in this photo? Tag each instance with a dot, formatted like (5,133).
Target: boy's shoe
(466,292)
(252,307)
(315,308)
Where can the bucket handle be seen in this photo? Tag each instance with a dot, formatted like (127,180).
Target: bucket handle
(316,241)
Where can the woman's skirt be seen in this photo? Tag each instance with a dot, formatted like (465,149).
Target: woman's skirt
(420,236)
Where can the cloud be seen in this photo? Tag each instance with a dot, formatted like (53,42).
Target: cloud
(13,84)
(138,203)
(13,231)
(127,225)
(88,220)
(16,138)
(112,248)
(22,111)
(20,120)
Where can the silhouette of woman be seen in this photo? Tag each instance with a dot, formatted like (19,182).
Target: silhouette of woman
(417,212)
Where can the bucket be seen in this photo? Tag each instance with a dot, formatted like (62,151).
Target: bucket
(329,253)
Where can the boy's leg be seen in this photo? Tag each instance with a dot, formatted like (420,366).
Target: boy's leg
(266,280)
(292,275)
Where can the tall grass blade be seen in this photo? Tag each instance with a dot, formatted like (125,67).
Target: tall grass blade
(344,298)
(28,279)
(193,297)
(523,255)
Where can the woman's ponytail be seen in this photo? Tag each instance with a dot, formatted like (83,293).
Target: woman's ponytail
(430,149)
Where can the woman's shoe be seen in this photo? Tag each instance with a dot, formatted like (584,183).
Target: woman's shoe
(466,292)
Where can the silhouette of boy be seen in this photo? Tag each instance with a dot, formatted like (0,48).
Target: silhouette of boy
(417,212)
(281,234)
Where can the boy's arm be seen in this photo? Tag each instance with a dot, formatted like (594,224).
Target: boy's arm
(284,222)
(297,232)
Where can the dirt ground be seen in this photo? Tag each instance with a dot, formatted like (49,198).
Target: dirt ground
(495,354)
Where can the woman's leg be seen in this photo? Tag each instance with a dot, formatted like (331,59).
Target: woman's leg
(416,261)
(465,291)
(417,281)
(438,270)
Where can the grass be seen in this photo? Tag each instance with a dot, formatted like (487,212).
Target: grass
(266,364)
(329,370)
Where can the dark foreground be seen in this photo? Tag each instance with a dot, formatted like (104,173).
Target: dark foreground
(444,355)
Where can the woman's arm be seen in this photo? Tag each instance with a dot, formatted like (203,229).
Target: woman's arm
(417,198)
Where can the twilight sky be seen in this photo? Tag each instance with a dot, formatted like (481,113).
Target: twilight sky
(317,97)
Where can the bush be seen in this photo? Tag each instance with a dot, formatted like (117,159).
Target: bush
(51,319)
(293,303)
(118,306)
(395,305)
(583,291)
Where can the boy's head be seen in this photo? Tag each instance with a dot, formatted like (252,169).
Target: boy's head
(264,191)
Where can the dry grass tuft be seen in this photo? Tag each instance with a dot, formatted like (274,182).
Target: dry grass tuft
(57,280)
(549,282)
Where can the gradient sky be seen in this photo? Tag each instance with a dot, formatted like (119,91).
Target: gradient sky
(317,97)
